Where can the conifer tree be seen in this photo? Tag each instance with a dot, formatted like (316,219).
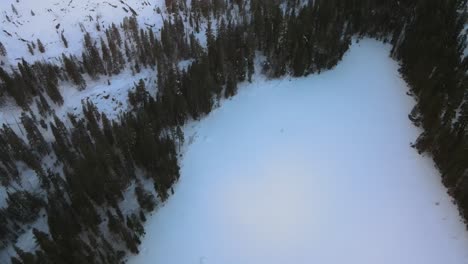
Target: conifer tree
(30,49)
(3,51)
(64,40)
(94,64)
(231,87)
(145,199)
(106,57)
(40,46)
(73,72)
(35,138)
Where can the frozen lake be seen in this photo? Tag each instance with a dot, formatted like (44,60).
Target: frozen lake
(309,170)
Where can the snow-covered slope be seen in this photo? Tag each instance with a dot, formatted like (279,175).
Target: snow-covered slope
(310,170)
(22,22)
(25,21)
(109,94)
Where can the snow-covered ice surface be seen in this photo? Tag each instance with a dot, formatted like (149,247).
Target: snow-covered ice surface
(309,170)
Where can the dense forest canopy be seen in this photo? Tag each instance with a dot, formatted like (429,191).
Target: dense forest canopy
(96,159)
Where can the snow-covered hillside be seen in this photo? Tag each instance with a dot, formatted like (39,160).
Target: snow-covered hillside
(310,170)
(110,95)
(25,21)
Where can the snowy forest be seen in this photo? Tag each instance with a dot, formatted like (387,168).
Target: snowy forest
(87,163)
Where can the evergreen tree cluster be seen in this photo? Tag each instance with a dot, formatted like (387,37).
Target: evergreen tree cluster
(431,51)
(98,161)
(27,82)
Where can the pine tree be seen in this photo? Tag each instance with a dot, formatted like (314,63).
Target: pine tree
(35,138)
(115,33)
(42,106)
(91,55)
(23,206)
(118,61)
(107,127)
(64,40)
(40,46)
(142,216)
(140,96)
(106,57)
(30,49)
(52,85)
(179,135)
(19,149)
(128,52)
(3,51)
(73,72)
(145,199)
(231,87)
(13,8)
(28,77)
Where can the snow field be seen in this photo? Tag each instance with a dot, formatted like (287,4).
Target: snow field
(309,170)
(48,19)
